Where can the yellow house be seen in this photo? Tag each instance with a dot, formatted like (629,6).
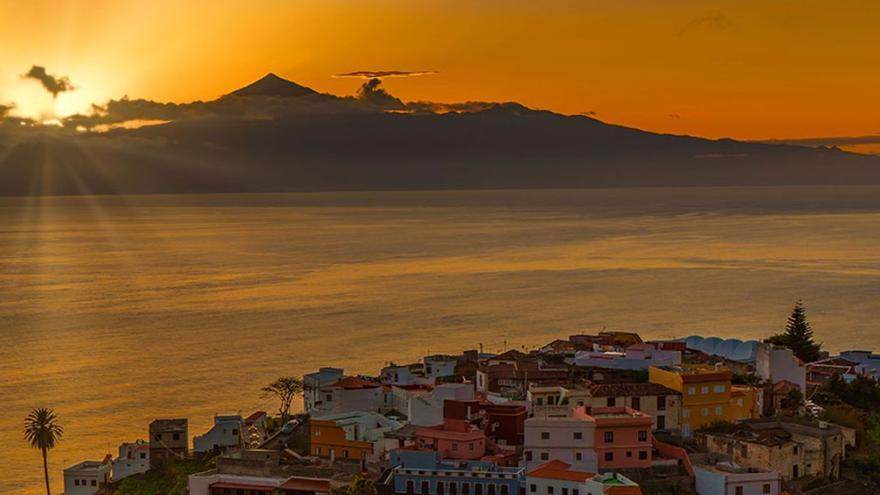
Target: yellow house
(707,394)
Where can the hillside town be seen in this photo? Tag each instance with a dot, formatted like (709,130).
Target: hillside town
(602,414)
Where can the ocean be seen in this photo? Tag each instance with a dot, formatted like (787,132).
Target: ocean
(116,310)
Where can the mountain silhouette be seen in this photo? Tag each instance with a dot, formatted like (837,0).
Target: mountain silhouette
(272,85)
(291,138)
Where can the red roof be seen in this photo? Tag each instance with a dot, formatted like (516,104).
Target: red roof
(255,416)
(623,490)
(232,485)
(558,470)
(353,382)
(306,485)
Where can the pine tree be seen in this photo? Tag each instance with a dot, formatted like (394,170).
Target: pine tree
(798,335)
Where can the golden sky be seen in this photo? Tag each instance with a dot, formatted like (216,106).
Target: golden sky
(745,69)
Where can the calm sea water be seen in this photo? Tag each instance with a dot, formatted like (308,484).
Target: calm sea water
(118,310)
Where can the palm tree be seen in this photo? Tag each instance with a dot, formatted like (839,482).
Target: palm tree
(42,431)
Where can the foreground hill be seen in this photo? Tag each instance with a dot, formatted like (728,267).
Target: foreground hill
(275,135)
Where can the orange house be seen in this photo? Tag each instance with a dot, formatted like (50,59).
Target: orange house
(349,436)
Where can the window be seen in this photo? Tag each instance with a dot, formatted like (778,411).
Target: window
(795,472)
(795,449)
(643,435)
(504,490)
(528,454)
(609,437)
(719,389)
(766,488)
(143,455)
(609,456)
(578,456)
(580,403)
(661,402)
(551,401)
(157,437)
(629,454)
(471,446)
(545,456)
(533,488)
(441,489)
(610,402)
(661,422)
(465,489)
(636,403)
(704,389)
(345,452)
(329,398)
(719,411)
(744,451)
(550,490)
(454,446)
(574,491)
(176,436)
(578,435)
(739,490)
(75,482)
(426,488)
(235,431)
(643,455)
(478,489)
(539,401)
(564,491)
(491,490)
(692,390)
(317,450)
(704,411)
(94,482)
(545,435)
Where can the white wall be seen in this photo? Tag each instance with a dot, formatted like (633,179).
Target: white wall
(713,482)
(561,444)
(85,478)
(224,433)
(200,485)
(775,364)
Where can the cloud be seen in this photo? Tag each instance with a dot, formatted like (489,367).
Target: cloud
(380,74)
(674,116)
(713,20)
(371,92)
(52,84)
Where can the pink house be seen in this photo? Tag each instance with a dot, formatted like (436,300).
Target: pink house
(623,437)
(454,439)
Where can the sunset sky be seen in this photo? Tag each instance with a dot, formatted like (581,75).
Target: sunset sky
(746,69)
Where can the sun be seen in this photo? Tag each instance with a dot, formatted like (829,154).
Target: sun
(32,101)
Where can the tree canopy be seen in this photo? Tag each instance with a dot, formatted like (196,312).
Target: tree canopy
(798,335)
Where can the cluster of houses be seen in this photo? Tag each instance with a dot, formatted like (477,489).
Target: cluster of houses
(590,415)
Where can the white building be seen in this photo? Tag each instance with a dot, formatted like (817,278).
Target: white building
(725,478)
(440,366)
(134,458)
(427,409)
(87,477)
(225,433)
(410,374)
(559,478)
(350,394)
(314,382)
(868,363)
(567,438)
(635,357)
(776,363)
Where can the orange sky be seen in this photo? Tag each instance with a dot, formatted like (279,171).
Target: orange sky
(745,69)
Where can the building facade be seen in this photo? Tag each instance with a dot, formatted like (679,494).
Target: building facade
(623,438)
(169,439)
(726,478)
(560,478)
(87,477)
(227,432)
(134,458)
(568,438)
(356,435)
(425,473)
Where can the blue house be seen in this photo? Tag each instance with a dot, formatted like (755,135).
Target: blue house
(417,472)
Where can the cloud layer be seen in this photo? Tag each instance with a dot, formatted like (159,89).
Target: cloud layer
(380,74)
